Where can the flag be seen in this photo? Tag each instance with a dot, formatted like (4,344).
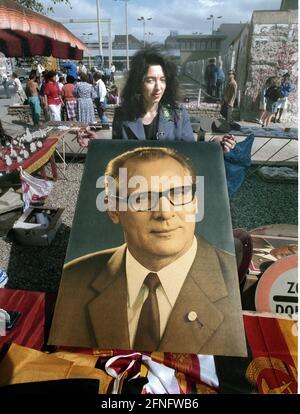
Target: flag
(33,189)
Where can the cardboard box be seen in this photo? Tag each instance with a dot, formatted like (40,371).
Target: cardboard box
(38,226)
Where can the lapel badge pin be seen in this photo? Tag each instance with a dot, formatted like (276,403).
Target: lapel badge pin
(192,316)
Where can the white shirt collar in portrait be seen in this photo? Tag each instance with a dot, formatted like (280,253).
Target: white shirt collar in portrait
(171,277)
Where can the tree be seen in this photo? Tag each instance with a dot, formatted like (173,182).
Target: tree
(39,7)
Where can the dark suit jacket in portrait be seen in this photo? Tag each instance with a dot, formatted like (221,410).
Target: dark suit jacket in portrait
(173,125)
(91,309)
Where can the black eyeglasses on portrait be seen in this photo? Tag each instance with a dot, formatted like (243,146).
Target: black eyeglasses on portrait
(147,200)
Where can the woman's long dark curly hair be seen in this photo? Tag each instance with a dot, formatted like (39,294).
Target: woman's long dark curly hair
(132,104)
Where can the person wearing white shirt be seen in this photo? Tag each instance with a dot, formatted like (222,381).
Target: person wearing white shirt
(20,93)
(100,100)
(5,83)
(112,73)
(82,68)
(183,291)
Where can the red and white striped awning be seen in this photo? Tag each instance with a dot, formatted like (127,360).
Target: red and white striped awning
(24,32)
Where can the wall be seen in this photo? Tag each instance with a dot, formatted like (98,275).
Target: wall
(268,46)
(272,50)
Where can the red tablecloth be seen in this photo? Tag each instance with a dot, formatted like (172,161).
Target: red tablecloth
(36,160)
(30,328)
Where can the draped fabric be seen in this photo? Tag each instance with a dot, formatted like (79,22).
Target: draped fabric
(270,368)
(24,32)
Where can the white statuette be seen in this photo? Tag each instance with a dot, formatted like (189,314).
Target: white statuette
(8,160)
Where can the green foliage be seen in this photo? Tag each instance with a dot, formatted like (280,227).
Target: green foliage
(39,7)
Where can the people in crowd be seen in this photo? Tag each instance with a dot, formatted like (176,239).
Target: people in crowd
(220,80)
(71,69)
(85,94)
(112,72)
(272,95)
(32,93)
(5,84)
(39,68)
(20,93)
(61,81)
(149,107)
(230,94)
(70,99)
(100,100)
(263,100)
(285,89)
(113,95)
(43,83)
(53,99)
(210,77)
(82,68)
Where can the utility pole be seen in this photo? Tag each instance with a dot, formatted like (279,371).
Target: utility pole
(142,19)
(126,31)
(99,29)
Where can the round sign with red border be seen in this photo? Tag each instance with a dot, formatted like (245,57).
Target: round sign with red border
(277,289)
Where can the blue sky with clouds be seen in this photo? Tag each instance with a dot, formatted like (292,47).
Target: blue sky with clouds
(185,16)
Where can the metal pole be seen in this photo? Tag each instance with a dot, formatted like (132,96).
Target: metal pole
(144,28)
(127,43)
(109,45)
(199,98)
(99,28)
(89,52)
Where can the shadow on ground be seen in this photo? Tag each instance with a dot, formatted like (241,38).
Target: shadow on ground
(38,268)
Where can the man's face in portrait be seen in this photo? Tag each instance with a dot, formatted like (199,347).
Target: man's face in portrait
(158,232)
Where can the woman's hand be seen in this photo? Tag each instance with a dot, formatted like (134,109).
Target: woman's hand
(227,141)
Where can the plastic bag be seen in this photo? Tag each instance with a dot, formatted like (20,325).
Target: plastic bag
(237,162)
(33,189)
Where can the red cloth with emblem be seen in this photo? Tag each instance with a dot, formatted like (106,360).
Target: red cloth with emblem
(35,308)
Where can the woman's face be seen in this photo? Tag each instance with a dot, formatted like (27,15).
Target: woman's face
(154,85)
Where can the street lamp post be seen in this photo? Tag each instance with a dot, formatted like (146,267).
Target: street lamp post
(126,30)
(88,39)
(149,34)
(99,28)
(142,19)
(212,18)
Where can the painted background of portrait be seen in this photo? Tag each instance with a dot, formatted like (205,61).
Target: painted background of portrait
(92,230)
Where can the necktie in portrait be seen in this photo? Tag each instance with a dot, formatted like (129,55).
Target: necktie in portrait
(147,336)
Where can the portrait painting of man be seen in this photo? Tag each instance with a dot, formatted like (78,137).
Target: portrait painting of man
(162,285)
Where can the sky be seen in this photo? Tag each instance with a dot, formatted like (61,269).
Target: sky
(183,16)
